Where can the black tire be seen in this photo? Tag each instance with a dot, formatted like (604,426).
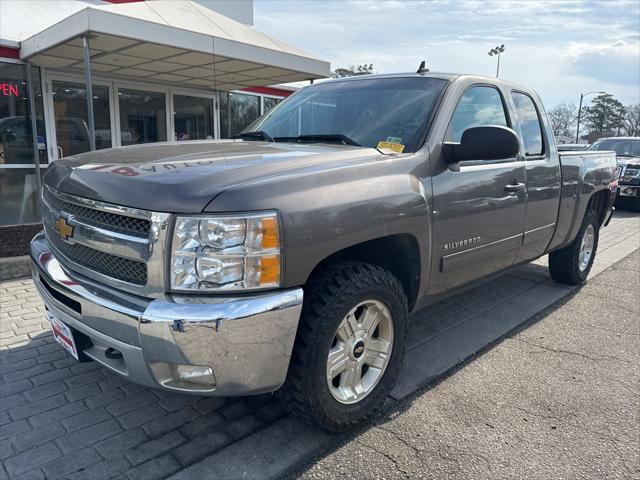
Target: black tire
(329,296)
(564,264)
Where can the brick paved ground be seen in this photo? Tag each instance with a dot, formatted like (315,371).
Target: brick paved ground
(61,419)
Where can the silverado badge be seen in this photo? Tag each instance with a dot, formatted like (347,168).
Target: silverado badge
(63,228)
(467,242)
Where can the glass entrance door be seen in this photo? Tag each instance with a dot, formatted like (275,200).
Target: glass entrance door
(71,118)
(193,118)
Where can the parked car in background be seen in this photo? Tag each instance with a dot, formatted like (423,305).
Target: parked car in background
(628,152)
(295,255)
(572,147)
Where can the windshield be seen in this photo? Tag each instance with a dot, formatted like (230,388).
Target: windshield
(624,148)
(365,112)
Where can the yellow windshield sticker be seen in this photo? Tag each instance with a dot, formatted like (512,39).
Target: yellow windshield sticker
(396,147)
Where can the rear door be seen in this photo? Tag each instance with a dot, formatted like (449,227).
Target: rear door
(478,212)
(543,176)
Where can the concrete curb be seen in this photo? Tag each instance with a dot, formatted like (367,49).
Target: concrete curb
(15,267)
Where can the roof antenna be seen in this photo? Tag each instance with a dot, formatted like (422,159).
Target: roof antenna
(423,67)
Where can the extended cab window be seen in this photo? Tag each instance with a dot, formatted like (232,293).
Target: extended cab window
(527,116)
(478,106)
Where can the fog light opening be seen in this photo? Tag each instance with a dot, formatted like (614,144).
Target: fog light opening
(195,374)
(186,378)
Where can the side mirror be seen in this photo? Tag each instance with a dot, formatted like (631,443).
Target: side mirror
(490,142)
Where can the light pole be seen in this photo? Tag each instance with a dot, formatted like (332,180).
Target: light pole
(582,95)
(497,51)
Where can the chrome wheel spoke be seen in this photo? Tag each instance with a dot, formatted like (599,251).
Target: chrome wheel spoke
(337,361)
(375,359)
(351,381)
(370,321)
(379,345)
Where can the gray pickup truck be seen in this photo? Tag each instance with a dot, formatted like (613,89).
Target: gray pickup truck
(292,258)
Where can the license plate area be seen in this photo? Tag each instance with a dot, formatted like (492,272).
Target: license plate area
(71,340)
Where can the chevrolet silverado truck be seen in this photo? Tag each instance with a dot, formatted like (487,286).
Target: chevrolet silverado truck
(628,152)
(291,258)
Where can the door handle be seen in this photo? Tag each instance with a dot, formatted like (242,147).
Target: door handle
(514,187)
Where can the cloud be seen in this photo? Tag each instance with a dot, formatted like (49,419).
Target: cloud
(617,62)
(556,47)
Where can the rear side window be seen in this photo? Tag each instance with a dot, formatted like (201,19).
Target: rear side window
(527,116)
(478,106)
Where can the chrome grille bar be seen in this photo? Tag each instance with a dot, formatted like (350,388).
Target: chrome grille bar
(107,242)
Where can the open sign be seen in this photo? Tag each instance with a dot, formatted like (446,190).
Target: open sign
(9,89)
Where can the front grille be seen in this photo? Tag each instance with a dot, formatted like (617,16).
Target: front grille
(121,223)
(116,267)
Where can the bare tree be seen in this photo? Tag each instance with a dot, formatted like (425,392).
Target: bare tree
(631,121)
(353,71)
(563,119)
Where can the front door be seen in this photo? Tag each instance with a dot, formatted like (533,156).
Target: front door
(478,212)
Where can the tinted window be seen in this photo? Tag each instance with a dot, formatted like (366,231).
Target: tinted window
(192,117)
(143,116)
(621,147)
(527,116)
(368,111)
(237,110)
(478,106)
(270,102)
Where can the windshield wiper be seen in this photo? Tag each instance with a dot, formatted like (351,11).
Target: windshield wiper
(257,135)
(323,138)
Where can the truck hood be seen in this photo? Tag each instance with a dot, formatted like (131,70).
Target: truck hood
(183,177)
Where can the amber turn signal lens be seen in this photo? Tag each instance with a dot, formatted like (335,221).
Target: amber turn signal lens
(270,237)
(270,270)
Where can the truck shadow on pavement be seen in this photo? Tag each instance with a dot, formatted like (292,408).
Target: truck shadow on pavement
(91,422)
(399,403)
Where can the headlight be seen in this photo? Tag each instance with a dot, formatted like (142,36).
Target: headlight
(225,253)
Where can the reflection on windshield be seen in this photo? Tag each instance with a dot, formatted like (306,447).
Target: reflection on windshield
(621,147)
(393,110)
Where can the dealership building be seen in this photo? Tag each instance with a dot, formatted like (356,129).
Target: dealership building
(156,70)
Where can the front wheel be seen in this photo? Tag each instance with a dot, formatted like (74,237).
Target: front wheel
(350,345)
(572,264)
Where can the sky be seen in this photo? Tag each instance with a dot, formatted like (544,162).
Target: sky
(558,48)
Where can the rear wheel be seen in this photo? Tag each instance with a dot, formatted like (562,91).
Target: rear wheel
(350,345)
(572,264)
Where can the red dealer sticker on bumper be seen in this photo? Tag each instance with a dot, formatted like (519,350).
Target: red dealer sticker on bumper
(63,335)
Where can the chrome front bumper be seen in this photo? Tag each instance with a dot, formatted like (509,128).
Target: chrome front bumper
(245,340)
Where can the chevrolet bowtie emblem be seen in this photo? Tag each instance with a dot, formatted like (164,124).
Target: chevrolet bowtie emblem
(63,228)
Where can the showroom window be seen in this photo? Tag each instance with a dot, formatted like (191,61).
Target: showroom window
(71,118)
(18,181)
(269,102)
(237,111)
(193,118)
(143,116)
